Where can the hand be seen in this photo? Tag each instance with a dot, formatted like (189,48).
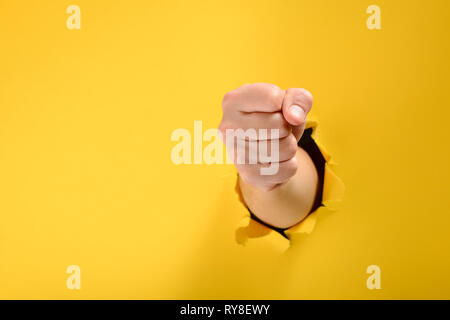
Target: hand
(253,107)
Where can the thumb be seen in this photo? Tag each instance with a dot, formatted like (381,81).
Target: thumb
(294,114)
(296,105)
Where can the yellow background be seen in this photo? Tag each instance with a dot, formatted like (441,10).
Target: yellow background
(85,171)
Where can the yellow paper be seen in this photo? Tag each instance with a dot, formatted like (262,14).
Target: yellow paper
(87,180)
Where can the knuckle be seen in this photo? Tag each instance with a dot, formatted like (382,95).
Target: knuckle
(305,96)
(277,122)
(291,146)
(308,96)
(275,95)
(272,93)
(228,99)
(285,129)
(306,93)
(301,96)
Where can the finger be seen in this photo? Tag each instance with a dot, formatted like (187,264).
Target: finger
(256,121)
(256,97)
(280,151)
(296,105)
(282,171)
(298,131)
(267,151)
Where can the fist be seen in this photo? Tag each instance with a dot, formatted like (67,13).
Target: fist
(261,126)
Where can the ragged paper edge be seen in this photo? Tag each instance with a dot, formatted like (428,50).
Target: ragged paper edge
(333,192)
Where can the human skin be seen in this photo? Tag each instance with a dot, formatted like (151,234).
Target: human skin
(285,198)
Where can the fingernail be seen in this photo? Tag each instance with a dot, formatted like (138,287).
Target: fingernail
(297,112)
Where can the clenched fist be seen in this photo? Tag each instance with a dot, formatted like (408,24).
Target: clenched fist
(261,126)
